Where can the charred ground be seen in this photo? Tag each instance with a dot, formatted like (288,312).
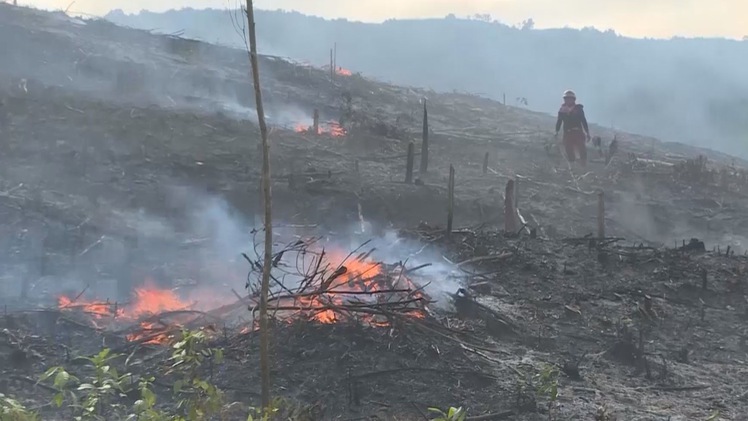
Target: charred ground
(101,125)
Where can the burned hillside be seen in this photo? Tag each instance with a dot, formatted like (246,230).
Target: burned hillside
(129,199)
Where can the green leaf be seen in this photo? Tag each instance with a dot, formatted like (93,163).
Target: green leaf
(57,400)
(61,379)
(714,416)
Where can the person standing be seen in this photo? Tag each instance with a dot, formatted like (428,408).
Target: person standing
(576,130)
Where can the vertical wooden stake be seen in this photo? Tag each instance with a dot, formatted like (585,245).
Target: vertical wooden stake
(355,166)
(425,143)
(268,221)
(409,163)
(335,56)
(315,127)
(510,214)
(485,163)
(600,215)
(451,202)
(332,67)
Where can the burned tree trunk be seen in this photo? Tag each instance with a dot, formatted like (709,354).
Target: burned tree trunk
(409,164)
(267,261)
(510,214)
(451,203)
(425,144)
(332,68)
(600,215)
(315,126)
(485,163)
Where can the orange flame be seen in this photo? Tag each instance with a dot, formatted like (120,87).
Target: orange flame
(153,301)
(147,300)
(361,279)
(343,72)
(97,310)
(331,128)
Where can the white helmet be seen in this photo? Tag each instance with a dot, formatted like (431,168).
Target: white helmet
(570,94)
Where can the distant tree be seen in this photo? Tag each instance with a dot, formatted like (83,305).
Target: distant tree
(527,24)
(485,17)
(450,16)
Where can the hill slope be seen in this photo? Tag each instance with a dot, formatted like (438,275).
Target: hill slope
(129,159)
(685,90)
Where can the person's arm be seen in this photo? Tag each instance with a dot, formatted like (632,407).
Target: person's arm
(558,122)
(584,121)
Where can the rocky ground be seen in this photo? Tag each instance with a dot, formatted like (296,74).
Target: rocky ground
(113,139)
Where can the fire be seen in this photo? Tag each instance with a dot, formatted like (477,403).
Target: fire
(96,309)
(356,282)
(152,334)
(343,72)
(153,301)
(335,129)
(147,300)
(331,128)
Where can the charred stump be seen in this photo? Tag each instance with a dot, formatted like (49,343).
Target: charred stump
(315,125)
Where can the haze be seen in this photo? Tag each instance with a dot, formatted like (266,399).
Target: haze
(638,18)
(683,90)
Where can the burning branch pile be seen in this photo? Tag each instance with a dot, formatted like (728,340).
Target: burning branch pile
(308,282)
(315,284)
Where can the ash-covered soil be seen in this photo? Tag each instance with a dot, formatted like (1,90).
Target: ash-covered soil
(113,138)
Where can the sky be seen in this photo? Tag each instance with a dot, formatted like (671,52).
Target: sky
(636,18)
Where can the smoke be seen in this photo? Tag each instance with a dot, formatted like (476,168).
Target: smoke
(631,212)
(684,90)
(438,278)
(197,251)
(228,233)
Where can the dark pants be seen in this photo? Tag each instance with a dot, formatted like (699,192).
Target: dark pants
(575,141)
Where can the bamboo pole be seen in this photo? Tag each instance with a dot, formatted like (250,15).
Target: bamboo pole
(451,201)
(410,163)
(267,199)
